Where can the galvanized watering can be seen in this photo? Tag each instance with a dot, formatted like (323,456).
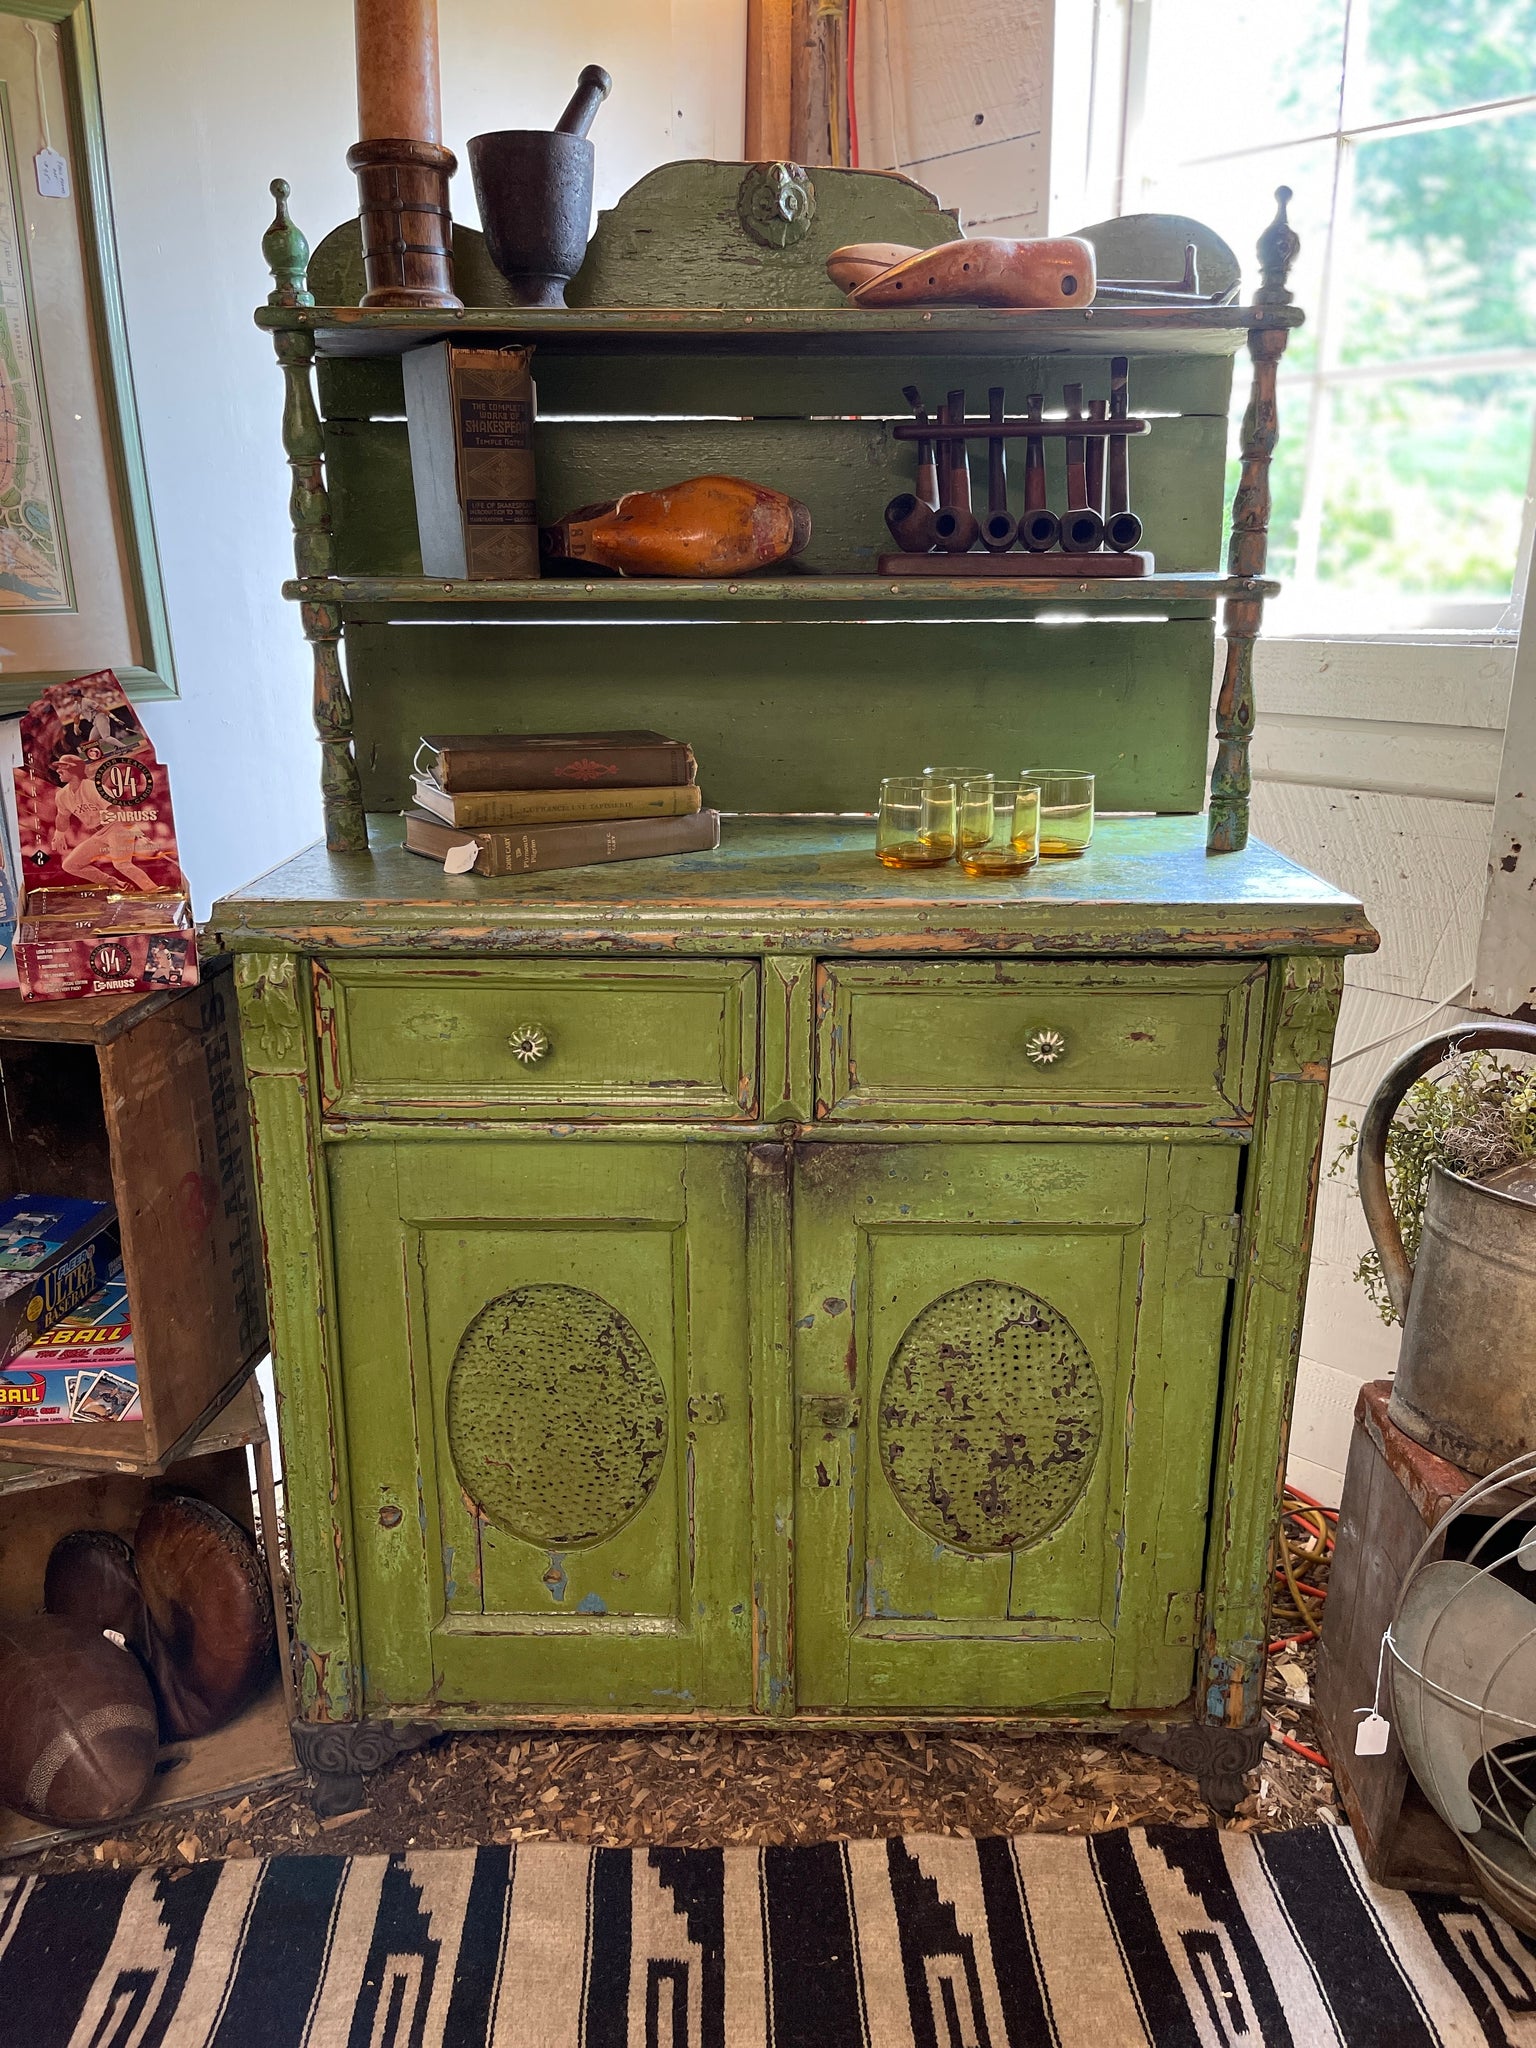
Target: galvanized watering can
(1466,1375)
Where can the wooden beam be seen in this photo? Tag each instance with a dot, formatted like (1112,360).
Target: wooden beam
(818,120)
(769,46)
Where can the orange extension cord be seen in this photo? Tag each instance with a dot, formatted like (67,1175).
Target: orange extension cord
(1303,1554)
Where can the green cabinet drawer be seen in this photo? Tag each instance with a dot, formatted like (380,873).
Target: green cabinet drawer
(1031,1042)
(537,1038)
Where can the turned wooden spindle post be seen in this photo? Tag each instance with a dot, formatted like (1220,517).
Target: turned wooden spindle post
(402,167)
(1231,781)
(287,254)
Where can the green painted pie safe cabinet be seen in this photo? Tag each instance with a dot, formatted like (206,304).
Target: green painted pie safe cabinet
(879,1298)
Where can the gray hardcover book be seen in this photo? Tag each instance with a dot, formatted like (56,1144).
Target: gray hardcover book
(469,413)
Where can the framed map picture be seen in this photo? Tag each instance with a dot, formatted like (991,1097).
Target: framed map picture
(79,577)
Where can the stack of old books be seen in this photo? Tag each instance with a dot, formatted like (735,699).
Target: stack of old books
(517,803)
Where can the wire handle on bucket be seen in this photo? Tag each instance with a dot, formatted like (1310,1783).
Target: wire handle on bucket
(1419,1060)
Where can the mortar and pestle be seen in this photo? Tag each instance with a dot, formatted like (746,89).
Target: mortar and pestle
(534,189)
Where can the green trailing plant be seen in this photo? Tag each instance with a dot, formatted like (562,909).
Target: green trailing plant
(1474,1117)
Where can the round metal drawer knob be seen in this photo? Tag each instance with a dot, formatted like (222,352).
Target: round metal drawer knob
(529,1043)
(1044,1048)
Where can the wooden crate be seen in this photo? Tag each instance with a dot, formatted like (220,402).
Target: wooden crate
(140,1100)
(41,1503)
(1394,1493)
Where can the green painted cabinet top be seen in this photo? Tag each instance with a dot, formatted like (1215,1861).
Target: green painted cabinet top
(1146,886)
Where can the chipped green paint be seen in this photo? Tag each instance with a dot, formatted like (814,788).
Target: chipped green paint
(798,886)
(788,1110)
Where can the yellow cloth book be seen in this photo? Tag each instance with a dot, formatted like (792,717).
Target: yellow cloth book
(480,807)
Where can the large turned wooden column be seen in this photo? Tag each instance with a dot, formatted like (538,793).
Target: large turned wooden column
(402,167)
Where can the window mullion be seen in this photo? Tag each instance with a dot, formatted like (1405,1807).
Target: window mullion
(1309,524)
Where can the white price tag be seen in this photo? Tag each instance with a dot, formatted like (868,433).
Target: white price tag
(458,860)
(52,174)
(1371,1735)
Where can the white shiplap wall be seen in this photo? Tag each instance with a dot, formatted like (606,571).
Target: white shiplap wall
(1376,767)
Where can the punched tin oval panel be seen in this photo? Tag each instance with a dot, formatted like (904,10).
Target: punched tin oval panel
(990,1418)
(557,1416)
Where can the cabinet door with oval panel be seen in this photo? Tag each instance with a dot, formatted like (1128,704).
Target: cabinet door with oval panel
(544,1370)
(1007,1362)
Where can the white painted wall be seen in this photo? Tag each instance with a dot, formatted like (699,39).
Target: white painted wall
(204,104)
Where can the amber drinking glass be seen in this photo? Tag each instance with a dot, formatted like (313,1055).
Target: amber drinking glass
(917,822)
(973,813)
(1011,844)
(1066,811)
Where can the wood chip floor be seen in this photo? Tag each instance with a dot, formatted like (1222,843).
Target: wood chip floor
(713,1786)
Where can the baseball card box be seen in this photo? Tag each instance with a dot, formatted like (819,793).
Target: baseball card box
(93,942)
(55,1253)
(82,1370)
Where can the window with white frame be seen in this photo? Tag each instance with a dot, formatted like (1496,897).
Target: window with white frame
(1406,130)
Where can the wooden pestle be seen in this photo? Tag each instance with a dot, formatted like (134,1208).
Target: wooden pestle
(398,95)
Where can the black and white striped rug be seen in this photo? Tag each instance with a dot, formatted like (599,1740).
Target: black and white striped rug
(1168,1936)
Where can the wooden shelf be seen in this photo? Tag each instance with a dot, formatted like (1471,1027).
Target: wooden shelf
(827,597)
(821,330)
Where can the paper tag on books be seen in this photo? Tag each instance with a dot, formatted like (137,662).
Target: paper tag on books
(1371,1735)
(52,174)
(458,860)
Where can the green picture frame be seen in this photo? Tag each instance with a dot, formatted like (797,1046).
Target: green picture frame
(151,674)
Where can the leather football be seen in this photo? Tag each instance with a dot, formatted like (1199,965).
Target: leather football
(211,1630)
(78,1734)
(91,1577)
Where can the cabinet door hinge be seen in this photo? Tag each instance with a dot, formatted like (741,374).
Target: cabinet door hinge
(1218,1247)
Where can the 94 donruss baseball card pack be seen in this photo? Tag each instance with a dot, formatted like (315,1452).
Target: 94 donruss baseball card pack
(105,905)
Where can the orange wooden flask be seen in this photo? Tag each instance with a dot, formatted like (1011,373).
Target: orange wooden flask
(704,526)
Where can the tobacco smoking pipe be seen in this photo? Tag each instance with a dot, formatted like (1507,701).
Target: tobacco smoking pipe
(1082,528)
(911,523)
(1039,529)
(955,525)
(1094,459)
(927,475)
(999,530)
(1122,528)
(592,88)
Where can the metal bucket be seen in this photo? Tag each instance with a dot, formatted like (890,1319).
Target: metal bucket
(1466,1374)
